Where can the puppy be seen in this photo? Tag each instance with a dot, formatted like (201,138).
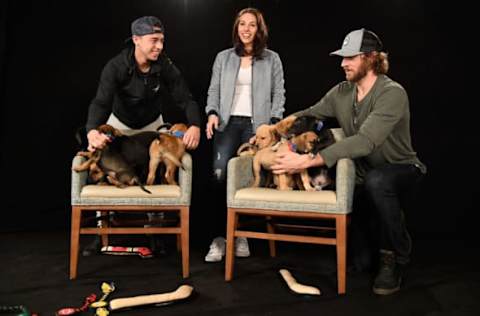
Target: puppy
(168,149)
(123,161)
(265,158)
(319,175)
(95,172)
(265,136)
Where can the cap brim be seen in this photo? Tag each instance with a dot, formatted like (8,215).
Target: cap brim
(346,52)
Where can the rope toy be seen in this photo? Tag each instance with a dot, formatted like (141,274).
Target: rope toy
(143,252)
(75,310)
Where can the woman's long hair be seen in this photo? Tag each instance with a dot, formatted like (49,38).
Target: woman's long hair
(261,37)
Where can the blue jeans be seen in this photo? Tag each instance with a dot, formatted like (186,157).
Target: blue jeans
(378,208)
(225,145)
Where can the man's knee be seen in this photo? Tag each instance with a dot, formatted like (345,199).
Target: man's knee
(376,181)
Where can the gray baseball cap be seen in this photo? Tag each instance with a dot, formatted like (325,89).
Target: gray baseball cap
(147,25)
(358,42)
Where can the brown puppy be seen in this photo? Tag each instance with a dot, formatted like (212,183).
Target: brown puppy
(265,158)
(283,126)
(168,148)
(265,136)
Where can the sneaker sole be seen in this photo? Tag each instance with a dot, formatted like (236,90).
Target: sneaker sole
(382,291)
(216,259)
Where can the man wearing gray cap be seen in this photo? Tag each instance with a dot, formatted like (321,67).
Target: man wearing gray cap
(135,84)
(373,111)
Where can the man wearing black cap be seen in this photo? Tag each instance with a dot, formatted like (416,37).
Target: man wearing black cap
(132,92)
(373,111)
(135,84)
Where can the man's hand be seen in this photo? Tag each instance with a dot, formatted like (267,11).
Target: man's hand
(96,140)
(291,162)
(191,138)
(212,125)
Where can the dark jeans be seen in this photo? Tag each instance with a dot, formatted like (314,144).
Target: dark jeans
(379,205)
(225,144)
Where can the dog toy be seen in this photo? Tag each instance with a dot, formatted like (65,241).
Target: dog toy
(181,293)
(107,288)
(297,287)
(143,252)
(75,310)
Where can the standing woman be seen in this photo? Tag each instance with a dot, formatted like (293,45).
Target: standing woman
(246,90)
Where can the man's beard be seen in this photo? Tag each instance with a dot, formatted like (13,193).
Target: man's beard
(361,73)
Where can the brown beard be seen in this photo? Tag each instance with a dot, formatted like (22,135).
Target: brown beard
(361,72)
(365,66)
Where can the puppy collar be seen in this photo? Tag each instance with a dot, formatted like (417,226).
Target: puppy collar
(110,136)
(292,146)
(178,134)
(319,126)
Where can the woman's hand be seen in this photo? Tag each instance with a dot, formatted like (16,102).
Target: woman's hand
(212,125)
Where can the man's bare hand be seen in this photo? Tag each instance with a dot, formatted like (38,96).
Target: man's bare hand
(191,138)
(96,140)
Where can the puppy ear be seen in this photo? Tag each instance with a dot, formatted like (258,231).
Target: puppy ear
(284,125)
(325,138)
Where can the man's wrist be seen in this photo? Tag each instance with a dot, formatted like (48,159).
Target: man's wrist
(313,160)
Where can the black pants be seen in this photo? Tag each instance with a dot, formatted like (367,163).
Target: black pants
(379,206)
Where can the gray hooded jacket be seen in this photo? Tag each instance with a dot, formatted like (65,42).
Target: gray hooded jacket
(268,92)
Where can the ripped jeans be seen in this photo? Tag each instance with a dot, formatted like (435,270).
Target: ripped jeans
(226,143)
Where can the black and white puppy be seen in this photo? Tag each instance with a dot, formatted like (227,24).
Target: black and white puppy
(321,177)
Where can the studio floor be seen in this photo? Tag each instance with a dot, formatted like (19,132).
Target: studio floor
(442,279)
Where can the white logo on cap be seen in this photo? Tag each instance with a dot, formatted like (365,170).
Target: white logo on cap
(346,40)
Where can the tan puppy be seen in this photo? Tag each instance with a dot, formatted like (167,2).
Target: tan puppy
(168,149)
(265,136)
(284,125)
(265,158)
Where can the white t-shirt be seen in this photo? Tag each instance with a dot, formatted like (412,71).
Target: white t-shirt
(242,100)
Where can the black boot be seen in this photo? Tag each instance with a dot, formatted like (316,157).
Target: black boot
(389,277)
(93,248)
(157,245)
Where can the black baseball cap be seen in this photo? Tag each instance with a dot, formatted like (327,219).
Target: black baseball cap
(147,25)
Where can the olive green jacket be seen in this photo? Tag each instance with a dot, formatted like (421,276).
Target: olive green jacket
(377,129)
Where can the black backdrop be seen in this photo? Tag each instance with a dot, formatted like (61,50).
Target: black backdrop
(52,53)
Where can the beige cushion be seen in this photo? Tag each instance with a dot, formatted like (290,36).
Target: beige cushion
(110,191)
(273,195)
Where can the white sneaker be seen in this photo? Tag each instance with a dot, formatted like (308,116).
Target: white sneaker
(241,247)
(217,250)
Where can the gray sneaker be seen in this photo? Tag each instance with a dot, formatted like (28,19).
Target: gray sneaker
(241,247)
(217,250)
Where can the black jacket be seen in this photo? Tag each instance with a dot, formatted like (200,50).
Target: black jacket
(137,99)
